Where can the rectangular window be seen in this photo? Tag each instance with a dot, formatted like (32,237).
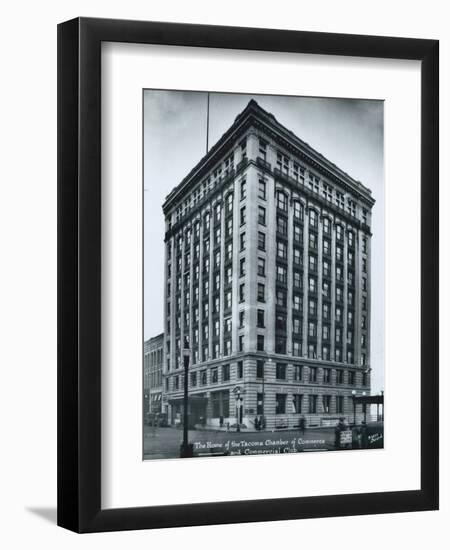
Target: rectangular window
(242,241)
(326,403)
(312,404)
(281,297)
(193,379)
(242,292)
(282,226)
(261,240)
(326,376)
(339,376)
(313,374)
(280,345)
(281,201)
(297,402)
(260,318)
(262,189)
(241,342)
(260,342)
(225,373)
(259,403)
(240,369)
(340,404)
(241,267)
(241,319)
(296,348)
(298,373)
(281,274)
(214,375)
(261,267)
(259,369)
(298,211)
(261,292)
(313,218)
(242,215)
(243,190)
(296,325)
(203,377)
(281,250)
(280,403)
(261,215)
(280,371)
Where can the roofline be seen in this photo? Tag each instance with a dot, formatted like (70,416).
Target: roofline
(253,109)
(153,338)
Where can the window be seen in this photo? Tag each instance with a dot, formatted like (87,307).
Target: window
(228,299)
(176,383)
(261,240)
(282,226)
(364,245)
(242,241)
(339,232)
(193,378)
(351,207)
(240,369)
(281,250)
(326,289)
(296,325)
(225,373)
(280,345)
(262,189)
(349,356)
(313,218)
(280,403)
(281,297)
(282,162)
(260,318)
(338,273)
(338,355)
(214,375)
(313,285)
(242,292)
(297,279)
(298,373)
(326,226)
(312,329)
(313,241)
(338,315)
(280,322)
(298,211)
(262,152)
(260,342)
(229,227)
(281,201)
(243,190)
(339,376)
(364,265)
(297,402)
(340,404)
(312,404)
(243,146)
(261,267)
(363,321)
(326,269)
(297,256)
(241,319)
(261,215)
(351,378)
(217,212)
(297,302)
(230,202)
(261,292)
(312,308)
(281,274)
(313,183)
(338,294)
(325,332)
(242,215)
(364,216)
(312,351)
(326,403)
(203,377)
(227,324)
(298,233)
(241,267)
(326,376)
(241,343)
(280,371)
(216,328)
(312,263)
(259,369)
(296,348)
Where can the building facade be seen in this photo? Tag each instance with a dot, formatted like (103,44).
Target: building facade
(153,374)
(267,281)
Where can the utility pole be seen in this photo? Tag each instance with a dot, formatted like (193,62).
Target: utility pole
(186,450)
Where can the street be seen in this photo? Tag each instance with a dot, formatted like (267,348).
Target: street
(165,442)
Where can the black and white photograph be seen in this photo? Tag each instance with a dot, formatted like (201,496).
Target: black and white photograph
(263,274)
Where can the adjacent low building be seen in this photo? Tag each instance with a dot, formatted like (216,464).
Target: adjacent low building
(267,280)
(153,374)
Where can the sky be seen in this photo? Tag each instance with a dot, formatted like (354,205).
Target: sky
(349,132)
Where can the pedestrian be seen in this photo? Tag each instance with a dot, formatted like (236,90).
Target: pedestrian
(302,425)
(228,426)
(221,421)
(256,423)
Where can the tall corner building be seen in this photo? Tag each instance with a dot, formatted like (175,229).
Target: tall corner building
(267,281)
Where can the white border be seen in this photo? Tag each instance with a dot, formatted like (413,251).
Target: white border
(127,481)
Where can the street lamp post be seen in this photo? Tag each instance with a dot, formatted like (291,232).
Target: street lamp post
(238,400)
(364,408)
(354,407)
(186,450)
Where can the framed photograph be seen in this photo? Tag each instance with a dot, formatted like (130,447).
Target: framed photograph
(248,275)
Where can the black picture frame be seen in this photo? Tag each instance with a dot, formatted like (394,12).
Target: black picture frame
(79,274)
